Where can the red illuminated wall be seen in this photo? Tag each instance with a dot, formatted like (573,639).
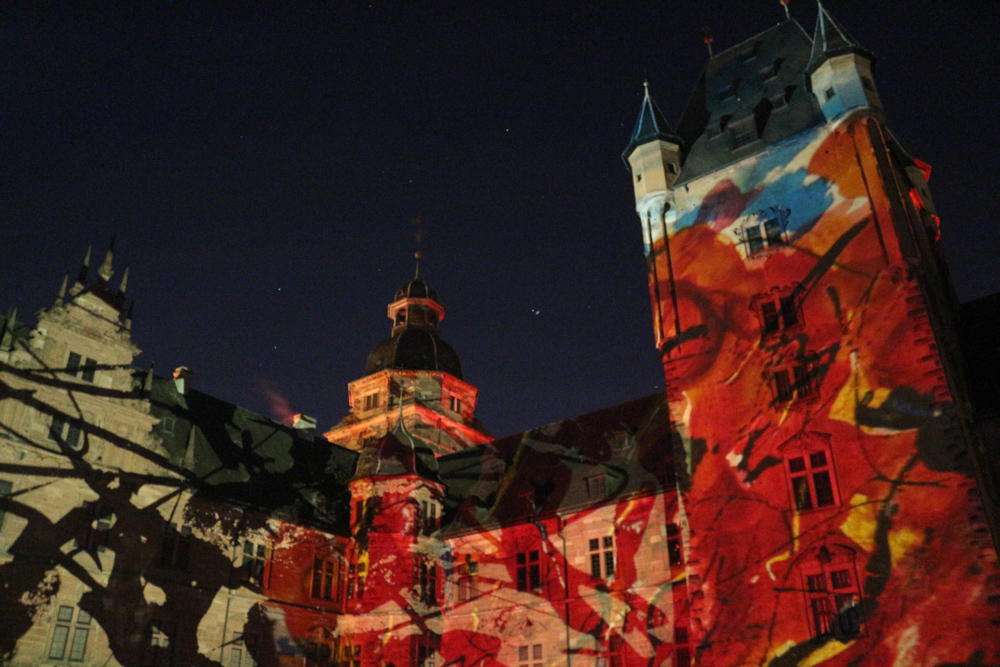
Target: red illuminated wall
(827,479)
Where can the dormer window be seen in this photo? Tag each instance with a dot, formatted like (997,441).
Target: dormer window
(743,133)
(750,52)
(727,93)
(830,93)
(455,403)
(401,316)
(597,487)
(371,401)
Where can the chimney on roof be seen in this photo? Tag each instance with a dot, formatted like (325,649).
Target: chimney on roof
(304,423)
(182,379)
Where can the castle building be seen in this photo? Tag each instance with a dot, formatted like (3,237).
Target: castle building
(810,489)
(828,471)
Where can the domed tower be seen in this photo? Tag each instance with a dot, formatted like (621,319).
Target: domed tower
(416,367)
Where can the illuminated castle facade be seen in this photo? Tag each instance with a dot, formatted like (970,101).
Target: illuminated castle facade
(804,493)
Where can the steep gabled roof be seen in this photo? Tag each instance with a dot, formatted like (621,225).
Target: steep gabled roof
(650,126)
(605,456)
(761,84)
(830,39)
(237,456)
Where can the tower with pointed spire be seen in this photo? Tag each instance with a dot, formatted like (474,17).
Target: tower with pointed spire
(415,370)
(841,71)
(804,319)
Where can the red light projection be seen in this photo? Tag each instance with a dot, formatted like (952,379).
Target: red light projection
(824,478)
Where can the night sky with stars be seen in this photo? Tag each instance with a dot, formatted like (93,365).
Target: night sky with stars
(260,164)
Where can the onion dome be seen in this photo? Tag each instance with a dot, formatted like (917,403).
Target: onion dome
(415,344)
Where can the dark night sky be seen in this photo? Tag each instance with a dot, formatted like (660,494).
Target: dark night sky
(260,164)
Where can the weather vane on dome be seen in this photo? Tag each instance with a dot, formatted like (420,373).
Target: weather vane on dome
(418,236)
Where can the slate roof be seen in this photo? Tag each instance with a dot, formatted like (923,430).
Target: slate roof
(555,468)
(650,125)
(11,331)
(414,349)
(243,458)
(830,39)
(761,82)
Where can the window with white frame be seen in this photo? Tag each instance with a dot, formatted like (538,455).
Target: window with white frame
(254,559)
(602,557)
(70,634)
(241,650)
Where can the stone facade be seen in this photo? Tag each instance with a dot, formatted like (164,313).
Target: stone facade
(807,491)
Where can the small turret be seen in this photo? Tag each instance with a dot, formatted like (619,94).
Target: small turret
(840,69)
(654,157)
(653,154)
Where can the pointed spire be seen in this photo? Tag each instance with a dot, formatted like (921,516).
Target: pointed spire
(85,268)
(106,270)
(784,4)
(650,126)
(62,288)
(830,39)
(7,330)
(706,36)
(418,236)
(121,288)
(147,385)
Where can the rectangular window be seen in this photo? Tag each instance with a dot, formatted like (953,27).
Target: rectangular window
(371,401)
(176,547)
(529,574)
(160,649)
(766,229)
(324,575)
(789,312)
(424,651)
(616,652)
(72,629)
(744,134)
(833,600)
(73,365)
(241,653)
(597,487)
(769,312)
(799,382)
(455,403)
(529,656)
(57,428)
(254,559)
(811,480)
(467,579)
(5,491)
(89,370)
(73,435)
(602,553)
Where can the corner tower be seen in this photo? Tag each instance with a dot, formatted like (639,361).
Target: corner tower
(417,368)
(830,486)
